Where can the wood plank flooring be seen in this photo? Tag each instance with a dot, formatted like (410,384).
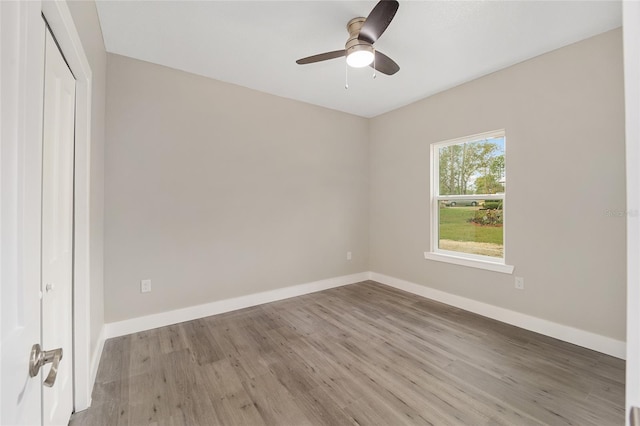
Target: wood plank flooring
(360,354)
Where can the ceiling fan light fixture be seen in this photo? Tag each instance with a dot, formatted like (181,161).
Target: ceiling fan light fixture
(363,33)
(360,56)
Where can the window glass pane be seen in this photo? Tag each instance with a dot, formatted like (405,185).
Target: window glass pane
(475,167)
(472,226)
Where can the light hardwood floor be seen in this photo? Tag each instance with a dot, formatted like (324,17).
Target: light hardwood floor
(360,354)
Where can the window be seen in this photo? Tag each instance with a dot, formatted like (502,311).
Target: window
(468,198)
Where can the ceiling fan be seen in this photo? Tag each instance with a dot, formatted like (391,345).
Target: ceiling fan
(363,33)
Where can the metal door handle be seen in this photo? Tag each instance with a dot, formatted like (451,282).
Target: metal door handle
(39,358)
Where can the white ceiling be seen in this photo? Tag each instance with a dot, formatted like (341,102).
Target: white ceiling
(438,44)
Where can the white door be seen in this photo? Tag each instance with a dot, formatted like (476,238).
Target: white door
(21,88)
(36,214)
(57,229)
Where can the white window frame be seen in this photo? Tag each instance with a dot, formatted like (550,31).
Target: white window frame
(455,257)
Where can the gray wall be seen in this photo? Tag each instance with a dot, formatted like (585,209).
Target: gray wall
(564,118)
(85,17)
(216,191)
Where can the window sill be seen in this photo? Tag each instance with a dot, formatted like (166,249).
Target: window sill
(471,263)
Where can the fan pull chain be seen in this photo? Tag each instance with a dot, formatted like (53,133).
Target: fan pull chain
(346,75)
(374,63)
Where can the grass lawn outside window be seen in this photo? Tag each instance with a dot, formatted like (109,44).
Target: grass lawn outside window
(458,233)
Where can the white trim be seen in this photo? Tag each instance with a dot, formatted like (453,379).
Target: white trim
(61,22)
(472,138)
(480,263)
(498,196)
(566,333)
(631,43)
(95,358)
(462,258)
(162,319)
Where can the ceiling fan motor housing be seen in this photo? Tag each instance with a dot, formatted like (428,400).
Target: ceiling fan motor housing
(353,44)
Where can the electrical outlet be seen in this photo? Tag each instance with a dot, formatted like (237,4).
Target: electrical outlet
(145,286)
(520,283)
(348,255)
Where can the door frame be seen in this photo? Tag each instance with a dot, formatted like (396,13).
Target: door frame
(631,42)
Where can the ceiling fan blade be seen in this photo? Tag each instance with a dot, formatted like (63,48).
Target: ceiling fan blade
(385,64)
(378,20)
(321,57)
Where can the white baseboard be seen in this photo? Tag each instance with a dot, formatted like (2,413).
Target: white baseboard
(596,342)
(95,360)
(566,333)
(162,319)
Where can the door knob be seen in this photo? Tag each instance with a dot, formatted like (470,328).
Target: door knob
(39,358)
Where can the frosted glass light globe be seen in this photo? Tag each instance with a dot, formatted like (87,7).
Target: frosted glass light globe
(360,58)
